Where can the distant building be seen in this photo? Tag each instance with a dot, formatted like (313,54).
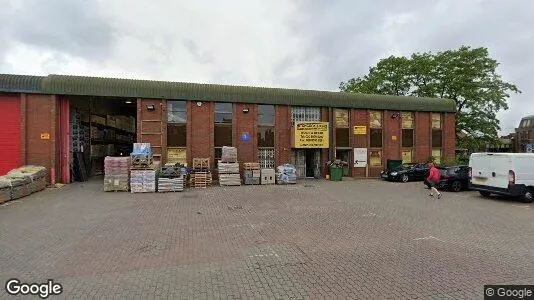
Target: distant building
(524,135)
(505,144)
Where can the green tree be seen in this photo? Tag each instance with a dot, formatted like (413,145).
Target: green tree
(467,75)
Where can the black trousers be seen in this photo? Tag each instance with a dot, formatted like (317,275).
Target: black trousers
(430,184)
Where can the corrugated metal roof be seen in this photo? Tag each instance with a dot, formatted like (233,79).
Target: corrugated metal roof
(20,83)
(113,87)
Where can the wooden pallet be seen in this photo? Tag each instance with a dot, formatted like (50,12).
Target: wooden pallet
(201,163)
(251,166)
(200,180)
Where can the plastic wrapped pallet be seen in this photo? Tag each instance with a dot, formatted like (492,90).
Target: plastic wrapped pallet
(229,154)
(116,183)
(287,174)
(142,148)
(229,179)
(250,177)
(170,184)
(268,176)
(143,181)
(116,165)
(228,168)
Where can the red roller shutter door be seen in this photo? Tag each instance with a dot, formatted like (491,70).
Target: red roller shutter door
(10,151)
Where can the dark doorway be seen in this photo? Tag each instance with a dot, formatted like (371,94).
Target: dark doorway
(344,155)
(310,163)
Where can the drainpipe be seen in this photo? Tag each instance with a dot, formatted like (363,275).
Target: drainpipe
(331,134)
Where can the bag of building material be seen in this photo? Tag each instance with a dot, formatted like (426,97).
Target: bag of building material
(5,189)
(229,154)
(286,174)
(18,178)
(34,171)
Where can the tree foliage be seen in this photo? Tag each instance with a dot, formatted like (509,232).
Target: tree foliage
(467,75)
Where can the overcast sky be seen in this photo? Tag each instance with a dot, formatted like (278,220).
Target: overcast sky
(311,44)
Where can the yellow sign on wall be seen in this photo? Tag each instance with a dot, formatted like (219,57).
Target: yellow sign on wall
(311,135)
(360,130)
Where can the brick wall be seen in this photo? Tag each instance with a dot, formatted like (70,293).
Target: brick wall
(423,148)
(325,152)
(359,117)
(200,131)
(41,118)
(449,136)
(152,125)
(247,151)
(282,136)
(392,136)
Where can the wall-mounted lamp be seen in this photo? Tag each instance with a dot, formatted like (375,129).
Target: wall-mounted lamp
(395,115)
(128,101)
(245,109)
(150,107)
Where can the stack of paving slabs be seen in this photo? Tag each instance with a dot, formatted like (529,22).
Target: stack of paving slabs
(171,178)
(201,173)
(229,173)
(229,154)
(117,174)
(144,180)
(287,174)
(170,184)
(251,173)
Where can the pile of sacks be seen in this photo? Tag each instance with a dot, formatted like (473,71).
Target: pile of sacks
(22,182)
(286,174)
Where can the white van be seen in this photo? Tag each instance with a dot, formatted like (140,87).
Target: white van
(509,174)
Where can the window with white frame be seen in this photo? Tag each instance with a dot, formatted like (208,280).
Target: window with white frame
(304,113)
(266,120)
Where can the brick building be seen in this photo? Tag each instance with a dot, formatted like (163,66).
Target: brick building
(524,135)
(187,120)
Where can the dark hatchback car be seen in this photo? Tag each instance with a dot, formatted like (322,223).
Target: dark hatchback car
(408,172)
(454,178)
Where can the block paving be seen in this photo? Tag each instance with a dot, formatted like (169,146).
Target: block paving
(355,239)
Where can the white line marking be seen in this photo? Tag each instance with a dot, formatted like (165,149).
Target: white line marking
(429,238)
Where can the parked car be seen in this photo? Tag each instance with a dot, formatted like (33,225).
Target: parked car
(508,174)
(454,178)
(407,172)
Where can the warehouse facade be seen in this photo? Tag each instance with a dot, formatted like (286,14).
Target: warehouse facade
(40,116)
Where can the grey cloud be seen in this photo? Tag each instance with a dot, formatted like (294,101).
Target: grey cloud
(349,36)
(74,27)
(196,52)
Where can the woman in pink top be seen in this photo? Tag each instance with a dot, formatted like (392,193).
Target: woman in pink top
(432,180)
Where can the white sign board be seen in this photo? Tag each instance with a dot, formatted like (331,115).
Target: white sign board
(360,157)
